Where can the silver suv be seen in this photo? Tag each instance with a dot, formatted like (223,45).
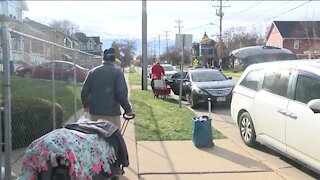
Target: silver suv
(278,104)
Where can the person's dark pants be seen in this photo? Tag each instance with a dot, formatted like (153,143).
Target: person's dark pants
(152,85)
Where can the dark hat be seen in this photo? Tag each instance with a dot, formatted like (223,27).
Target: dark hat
(109,54)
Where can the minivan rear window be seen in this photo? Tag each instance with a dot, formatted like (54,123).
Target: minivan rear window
(307,89)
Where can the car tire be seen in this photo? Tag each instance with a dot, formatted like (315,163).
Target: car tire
(27,74)
(247,131)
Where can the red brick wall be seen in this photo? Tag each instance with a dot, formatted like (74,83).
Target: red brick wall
(304,45)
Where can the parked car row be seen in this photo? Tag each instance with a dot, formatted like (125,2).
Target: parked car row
(63,71)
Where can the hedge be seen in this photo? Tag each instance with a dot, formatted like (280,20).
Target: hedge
(31,118)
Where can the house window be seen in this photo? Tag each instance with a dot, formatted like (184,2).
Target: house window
(90,46)
(296,44)
(67,42)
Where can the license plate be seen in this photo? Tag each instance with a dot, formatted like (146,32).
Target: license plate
(220,99)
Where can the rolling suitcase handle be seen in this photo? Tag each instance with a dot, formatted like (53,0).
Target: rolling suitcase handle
(125,123)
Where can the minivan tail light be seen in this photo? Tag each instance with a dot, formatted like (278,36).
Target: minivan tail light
(232,93)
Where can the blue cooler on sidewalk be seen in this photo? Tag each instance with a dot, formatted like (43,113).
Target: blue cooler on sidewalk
(202,131)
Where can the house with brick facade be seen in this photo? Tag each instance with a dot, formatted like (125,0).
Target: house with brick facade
(301,37)
(66,47)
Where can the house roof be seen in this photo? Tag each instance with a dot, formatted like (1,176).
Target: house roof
(298,29)
(96,39)
(81,37)
(43,27)
(206,40)
(21,27)
(36,25)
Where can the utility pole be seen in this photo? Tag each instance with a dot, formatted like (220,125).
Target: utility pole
(179,25)
(159,46)
(144,84)
(220,14)
(166,40)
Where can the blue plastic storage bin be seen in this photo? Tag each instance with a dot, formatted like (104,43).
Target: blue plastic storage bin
(202,131)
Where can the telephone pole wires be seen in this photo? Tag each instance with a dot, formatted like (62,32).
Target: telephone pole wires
(220,14)
(179,25)
(166,40)
(159,46)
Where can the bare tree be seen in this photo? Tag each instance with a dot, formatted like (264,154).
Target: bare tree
(173,56)
(238,37)
(126,49)
(65,26)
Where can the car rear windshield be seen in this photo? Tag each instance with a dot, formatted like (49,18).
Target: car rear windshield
(168,68)
(268,57)
(207,76)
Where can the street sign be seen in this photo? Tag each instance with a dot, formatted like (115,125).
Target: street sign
(184,40)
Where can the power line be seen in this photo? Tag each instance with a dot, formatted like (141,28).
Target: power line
(220,14)
(289,10)
(266,13)
(281,13)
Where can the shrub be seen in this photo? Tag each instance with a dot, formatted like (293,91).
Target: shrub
(31,118)
(132,69)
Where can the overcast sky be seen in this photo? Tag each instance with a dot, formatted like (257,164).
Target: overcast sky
(122,19)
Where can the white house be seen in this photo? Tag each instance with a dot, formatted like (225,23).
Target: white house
(13,9)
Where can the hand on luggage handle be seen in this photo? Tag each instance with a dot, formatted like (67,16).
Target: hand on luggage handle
(125,124)
(128,117)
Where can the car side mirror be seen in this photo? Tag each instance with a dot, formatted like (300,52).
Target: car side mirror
(230,78)
(314,105)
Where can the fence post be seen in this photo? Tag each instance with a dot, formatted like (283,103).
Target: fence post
(53,88)
(74,85)
(7,98)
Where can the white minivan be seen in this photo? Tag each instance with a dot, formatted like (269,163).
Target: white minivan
(278,104)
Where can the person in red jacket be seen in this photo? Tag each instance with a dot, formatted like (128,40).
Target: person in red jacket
(157,71)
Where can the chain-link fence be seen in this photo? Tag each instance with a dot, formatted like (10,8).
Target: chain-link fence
(41,77)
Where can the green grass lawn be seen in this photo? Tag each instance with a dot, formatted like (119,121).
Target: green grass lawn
(231,73)
(162,119)
(64,92)
(135,79)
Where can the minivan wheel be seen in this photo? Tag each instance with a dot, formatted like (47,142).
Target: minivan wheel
(247,131)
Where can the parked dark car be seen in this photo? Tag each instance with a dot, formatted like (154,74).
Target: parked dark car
(201,84)
(174,82)
(63,71)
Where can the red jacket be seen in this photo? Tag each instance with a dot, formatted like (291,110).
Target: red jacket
(157,71)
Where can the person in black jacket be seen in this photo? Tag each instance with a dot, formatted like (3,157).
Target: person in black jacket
(105,90)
